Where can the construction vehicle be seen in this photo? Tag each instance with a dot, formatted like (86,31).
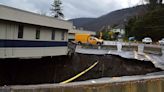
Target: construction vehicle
(87,39)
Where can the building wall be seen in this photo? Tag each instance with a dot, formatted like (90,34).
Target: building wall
(45,34)
(9,31)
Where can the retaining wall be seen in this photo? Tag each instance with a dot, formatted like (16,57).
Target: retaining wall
(142,84)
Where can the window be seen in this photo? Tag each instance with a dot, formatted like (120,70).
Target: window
(38,33)
(91,38)
(20,31)
(62,35)
(53,35)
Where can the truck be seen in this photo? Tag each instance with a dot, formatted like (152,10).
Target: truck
(87,39)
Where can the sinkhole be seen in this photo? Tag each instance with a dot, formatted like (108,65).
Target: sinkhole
(60,68)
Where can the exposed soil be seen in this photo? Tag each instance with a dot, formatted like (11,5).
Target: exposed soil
(58,69)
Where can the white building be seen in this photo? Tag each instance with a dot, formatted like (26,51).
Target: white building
(26,35)
(120,29)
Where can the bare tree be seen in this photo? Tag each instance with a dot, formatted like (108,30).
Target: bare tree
(57,9)
(154,1)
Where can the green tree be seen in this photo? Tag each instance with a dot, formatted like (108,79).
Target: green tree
(129,26)
(149,25)
(154,3)
(57,9)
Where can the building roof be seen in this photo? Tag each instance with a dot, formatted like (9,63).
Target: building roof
(17,15)
(74,31)
(120,26)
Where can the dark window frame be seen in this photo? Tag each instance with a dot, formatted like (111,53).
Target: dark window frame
(37,34)
(20,30)
(53,35)
(63,35)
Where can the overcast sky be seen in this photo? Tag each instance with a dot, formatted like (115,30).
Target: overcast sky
(73,8)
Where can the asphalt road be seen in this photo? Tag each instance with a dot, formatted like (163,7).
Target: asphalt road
(157,60)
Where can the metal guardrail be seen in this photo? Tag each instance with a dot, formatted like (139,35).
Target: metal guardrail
(147,48)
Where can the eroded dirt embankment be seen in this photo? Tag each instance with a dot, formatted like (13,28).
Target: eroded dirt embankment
(58,69)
